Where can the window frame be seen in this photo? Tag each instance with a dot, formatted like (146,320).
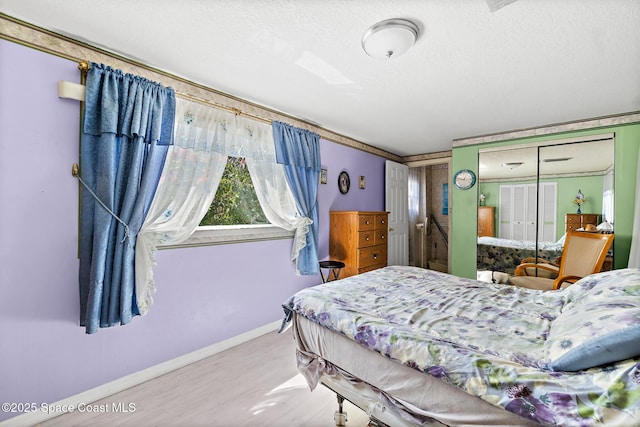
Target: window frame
(228,234)
(208,235)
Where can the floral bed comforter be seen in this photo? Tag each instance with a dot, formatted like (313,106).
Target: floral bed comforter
(486,339)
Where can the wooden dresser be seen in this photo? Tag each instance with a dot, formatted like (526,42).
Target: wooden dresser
(575,221)
(486,221)
(359,239)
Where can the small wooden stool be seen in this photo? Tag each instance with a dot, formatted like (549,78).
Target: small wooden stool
(334,268)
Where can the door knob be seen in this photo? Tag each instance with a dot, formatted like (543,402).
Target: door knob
(391,229)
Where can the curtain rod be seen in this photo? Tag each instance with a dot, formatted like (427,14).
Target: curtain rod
(234,110)
(84,67)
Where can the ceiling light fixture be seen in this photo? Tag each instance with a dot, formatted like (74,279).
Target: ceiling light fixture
(390,38)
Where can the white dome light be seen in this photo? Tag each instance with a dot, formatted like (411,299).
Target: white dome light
(390,38)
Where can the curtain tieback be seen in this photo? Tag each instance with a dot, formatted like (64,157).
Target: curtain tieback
(300,237)
(95,196)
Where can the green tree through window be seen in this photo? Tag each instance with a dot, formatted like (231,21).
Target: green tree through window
(235,202)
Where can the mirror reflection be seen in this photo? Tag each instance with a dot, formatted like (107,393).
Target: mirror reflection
(529,197)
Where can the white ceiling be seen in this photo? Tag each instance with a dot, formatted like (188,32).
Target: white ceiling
(471,72)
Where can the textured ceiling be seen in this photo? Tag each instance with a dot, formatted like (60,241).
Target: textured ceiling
(472,71)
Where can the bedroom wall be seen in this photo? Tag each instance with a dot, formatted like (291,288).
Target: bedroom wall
(205,294)
(464,216)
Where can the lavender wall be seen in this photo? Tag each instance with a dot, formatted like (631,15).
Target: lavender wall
(205,294)
(336,158)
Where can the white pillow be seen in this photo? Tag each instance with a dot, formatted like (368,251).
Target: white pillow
(600,323)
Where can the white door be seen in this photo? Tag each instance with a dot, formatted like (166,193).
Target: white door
(517,212)
(397,204)
(547,211)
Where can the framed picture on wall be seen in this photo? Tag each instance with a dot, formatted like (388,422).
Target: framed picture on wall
(445,199)
(344,182)
(323,176)
(361,182)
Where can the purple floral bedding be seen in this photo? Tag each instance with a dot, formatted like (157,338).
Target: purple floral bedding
(486,339)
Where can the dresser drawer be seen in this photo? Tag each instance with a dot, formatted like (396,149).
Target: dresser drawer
(366,222)
(372,255)
(381,222)
(381,237)
(573,220)
(590,219)
(366,238)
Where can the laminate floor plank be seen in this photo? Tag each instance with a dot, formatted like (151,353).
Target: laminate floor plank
(253,384)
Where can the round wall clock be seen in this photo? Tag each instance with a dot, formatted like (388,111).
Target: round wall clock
(464,179)
(344,182)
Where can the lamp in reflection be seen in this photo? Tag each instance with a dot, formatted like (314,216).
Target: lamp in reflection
(605,227)
(579,200)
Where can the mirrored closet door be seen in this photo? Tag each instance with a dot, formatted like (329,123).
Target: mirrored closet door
(530,195)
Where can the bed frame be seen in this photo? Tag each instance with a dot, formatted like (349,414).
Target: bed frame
(338,356)
(365,398)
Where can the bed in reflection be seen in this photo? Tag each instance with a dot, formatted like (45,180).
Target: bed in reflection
(496,254)
(419,347)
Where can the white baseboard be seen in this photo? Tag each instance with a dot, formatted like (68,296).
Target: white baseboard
(110,388)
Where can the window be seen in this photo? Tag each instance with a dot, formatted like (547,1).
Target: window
(235,202)
(235,215)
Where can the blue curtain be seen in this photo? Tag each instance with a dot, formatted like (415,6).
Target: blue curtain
(299,151)
(127,131)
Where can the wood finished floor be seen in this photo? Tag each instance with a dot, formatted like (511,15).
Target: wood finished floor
(252,384)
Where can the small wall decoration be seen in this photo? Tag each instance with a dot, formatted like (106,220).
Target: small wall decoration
(344,182)
(323,176)
(464,179)
(361,183)
(579,200)
(445,199)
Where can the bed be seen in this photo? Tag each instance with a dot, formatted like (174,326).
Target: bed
(418,347)
(497,254)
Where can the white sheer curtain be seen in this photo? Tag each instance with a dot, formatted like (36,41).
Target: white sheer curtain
(608,197)
(189,181)
(416,257)
(634,254)
(204,137)
(275,196)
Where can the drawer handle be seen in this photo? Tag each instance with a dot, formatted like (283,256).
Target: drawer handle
(367,238)
(382,222)
(366,222)
(374,256)
(382,237)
